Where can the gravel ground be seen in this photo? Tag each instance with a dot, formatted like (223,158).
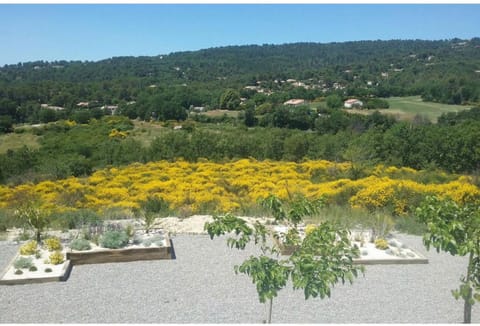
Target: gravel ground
(200,286)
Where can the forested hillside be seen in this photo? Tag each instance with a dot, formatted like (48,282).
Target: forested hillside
(166,86)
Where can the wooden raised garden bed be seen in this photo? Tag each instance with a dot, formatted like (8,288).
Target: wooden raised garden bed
(397,253)
(102,255)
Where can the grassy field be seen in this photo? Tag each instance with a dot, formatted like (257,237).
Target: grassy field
(145,132)
(15,141)
(406,108)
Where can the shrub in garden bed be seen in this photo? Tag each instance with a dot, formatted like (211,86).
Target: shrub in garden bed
(29,248)
(56,258)
(52,244)
(156,240)
(381,244)
(23,262)
(114,239)
(80,244)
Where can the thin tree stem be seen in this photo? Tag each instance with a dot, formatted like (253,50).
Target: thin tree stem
(270,312)
(467,307)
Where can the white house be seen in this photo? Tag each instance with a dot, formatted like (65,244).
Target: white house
(83,104)
(294,101)
(111,108)
(352,103)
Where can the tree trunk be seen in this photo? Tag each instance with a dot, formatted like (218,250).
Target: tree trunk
(269,318)
(467,308)
(38,237)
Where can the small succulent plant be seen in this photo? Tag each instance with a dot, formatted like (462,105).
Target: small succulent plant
(23,262)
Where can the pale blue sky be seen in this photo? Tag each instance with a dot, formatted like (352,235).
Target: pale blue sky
(93,32)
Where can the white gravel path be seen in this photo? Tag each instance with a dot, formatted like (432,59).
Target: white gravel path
(200,286)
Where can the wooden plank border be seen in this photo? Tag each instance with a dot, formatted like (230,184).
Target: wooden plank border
(121,255)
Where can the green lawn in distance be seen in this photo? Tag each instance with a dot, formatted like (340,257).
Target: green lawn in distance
(405,108)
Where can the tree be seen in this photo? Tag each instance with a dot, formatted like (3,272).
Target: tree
(334,101)
(230,99)
(149,210)
(455,229)
(6,124)
(30,213)
(250,119)
(322,259)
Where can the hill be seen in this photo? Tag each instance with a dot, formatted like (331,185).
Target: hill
(445,71)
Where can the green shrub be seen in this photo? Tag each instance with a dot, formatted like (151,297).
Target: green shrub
(381,244)
(48,270)
(77,219)
(18,272)
(33,268)
(147,242)
(56,258)
(80,244)
(7,221)
(52,244)
(29,248)
(114,239)
(292,237)
(23,262)
(130,230)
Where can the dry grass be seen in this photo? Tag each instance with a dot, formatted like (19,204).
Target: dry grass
(219,113)
(145,132)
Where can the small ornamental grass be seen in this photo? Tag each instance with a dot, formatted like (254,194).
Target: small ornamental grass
(114,239)
(29,248)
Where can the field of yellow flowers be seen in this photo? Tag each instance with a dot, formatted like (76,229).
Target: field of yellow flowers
(207,187)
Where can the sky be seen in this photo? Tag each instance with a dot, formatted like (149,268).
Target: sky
(31,32)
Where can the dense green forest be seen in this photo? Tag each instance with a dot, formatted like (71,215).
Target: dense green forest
(254,81)
(166,86)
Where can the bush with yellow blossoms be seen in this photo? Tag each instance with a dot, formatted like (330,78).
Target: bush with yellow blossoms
(209,187)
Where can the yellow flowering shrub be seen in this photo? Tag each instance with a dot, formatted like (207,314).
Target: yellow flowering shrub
(56,258)
(29,248)
(310,228)
(114,133)
(207,186)
(381,244)
(52,244)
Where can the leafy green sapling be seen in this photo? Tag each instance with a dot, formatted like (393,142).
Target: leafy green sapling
(455,229)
